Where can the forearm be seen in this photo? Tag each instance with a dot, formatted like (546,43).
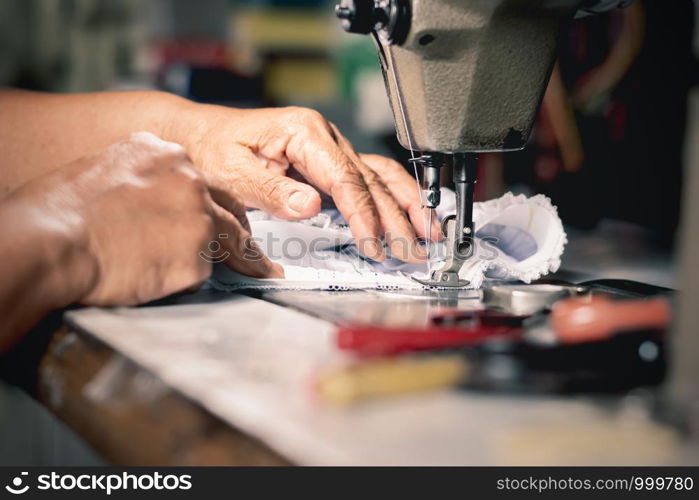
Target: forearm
(39,132)
(42,269)
(557,106)
(628,44)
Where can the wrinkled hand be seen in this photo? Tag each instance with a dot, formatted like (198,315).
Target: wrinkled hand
(249,152)
(142,215)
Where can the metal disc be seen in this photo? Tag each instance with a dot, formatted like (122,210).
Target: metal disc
(528,299)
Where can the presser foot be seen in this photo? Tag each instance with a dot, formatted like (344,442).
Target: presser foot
(459,250)
(446,280)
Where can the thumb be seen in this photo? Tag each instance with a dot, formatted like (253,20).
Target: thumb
(275,194)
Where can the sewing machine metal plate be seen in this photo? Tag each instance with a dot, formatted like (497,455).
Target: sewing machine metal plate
(416,307)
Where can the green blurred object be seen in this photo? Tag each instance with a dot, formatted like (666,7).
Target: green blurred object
(356,55)
(291,47)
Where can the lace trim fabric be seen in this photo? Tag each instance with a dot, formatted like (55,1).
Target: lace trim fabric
(517,237)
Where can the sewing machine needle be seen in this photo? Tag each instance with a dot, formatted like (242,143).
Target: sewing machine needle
(429,242)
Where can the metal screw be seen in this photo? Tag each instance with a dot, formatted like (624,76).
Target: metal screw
(343,12)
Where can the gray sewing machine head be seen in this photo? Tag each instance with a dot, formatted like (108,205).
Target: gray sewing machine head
(463,76)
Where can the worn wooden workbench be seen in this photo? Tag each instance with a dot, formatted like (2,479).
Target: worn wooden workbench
(163,429)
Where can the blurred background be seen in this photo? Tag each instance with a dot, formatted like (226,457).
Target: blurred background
(618,128)
(613,121)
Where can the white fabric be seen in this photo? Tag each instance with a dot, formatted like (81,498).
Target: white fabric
(516,238)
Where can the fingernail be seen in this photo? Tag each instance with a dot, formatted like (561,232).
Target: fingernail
(266,269)
(277,271)
(298,201)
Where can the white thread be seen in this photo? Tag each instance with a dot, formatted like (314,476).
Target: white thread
(401,110)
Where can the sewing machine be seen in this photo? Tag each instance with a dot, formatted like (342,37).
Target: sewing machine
(468,77)
(463,78)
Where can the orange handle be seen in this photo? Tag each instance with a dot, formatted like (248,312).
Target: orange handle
(589,319)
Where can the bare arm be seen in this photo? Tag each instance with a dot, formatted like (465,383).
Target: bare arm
(42,131)
(243,152)
(42,269)
(621,57)
(560,113)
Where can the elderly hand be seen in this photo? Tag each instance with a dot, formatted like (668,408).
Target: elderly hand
(249,153)
(144,217)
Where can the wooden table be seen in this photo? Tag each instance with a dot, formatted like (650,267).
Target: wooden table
(167,429)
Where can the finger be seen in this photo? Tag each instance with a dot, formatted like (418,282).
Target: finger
(227,199)
(236,247)
(356,204)
(399,233)
(190,275)
(276,194)
(406,191)
(321,160)
(195,287)
(313,150)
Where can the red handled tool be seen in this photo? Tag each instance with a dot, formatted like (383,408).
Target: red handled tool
(446,331)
